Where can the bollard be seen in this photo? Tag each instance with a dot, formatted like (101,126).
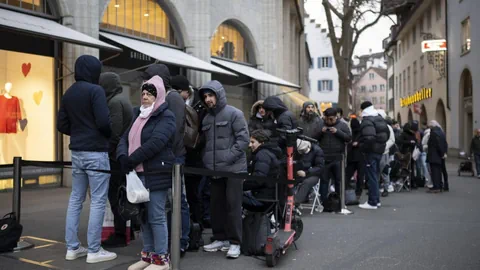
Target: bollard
(343,207)
(176,217)
(17,198)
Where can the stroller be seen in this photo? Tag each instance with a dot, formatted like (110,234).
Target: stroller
(465,166)
(400,171)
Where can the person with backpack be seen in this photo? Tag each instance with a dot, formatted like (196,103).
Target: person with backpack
(265,162)
(226,134)
(177,106)
(374,134)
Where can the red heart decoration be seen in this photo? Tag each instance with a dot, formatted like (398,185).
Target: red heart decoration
(26,69)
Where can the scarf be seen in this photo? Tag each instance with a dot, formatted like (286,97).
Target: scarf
(135,134)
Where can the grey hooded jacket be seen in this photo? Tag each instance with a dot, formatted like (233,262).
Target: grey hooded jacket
(121,111)
(226,134)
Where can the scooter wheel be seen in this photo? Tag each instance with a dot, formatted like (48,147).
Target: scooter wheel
(271,260)
(297,225)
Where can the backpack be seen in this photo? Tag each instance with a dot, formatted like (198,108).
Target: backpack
(10,232)
(255,230)
(195,236)
(332,204)
(192,136)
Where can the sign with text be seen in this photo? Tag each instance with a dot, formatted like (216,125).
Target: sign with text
(422,94)
(434,45)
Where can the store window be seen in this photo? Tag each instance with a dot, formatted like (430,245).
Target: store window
(228,42)
(27,106)
(466,38)
(140,18)
(40,6)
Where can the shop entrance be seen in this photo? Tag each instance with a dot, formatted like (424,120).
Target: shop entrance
(440,115)
(466,110)
(423,116)
(410,115)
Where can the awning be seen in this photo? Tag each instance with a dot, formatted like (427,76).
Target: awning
(48,29)
(295,96)
(166,54)
(253,73)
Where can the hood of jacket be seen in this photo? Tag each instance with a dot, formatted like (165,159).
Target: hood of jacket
(160,99)
(255,106)
(369,111)
(160,70)
(217,88)
(274,104)
(272,147)
(305,105)
(88,69)
(110,82)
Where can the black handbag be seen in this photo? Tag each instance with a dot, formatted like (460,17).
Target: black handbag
(10,232)
(128,210)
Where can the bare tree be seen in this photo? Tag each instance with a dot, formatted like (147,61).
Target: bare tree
(352,16)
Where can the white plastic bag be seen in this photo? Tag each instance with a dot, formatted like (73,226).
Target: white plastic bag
(416,153)
(136,191)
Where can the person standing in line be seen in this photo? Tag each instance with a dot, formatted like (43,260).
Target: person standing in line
(176,104)
(310,121)
(374,136)
(284,118)
(355,160)
(475,150)
(260,119)
(84,116)
(385,161)
(443,144)
(121,114)
(426,170)
(226,134)
(146,147)
(436,155)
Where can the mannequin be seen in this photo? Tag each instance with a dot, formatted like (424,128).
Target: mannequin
(8,88)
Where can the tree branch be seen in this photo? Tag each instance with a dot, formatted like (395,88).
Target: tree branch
(331,29)
(332,8)
(358,32)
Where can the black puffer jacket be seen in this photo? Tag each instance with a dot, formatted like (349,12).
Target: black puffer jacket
(407,140)
(374,132)
(334,143)
(285,118)
(311,124)
(354,154)
(265,162)
(257,122)
(313,162)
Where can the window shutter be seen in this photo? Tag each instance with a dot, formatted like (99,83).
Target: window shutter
(319,85)
(330,62)
(330,86)
(319,62)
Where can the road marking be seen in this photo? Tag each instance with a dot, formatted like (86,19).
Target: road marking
(43,239)
(46,265)
(44,246)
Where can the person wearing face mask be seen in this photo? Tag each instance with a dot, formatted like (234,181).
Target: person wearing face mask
(310,121)
(147,146)
(226,135)
(333,140)
(310,168)
(265,162)
(260,119)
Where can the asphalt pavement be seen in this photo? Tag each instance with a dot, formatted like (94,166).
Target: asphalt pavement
(412,230)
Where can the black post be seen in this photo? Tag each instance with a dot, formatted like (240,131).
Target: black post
(17,186)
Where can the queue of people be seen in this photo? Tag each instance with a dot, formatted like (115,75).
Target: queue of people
(177,123)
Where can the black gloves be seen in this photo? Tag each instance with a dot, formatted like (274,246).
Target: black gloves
(124,164)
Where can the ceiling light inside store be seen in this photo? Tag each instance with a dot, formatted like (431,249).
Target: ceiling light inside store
(223,37)
(146,15)
(117,5)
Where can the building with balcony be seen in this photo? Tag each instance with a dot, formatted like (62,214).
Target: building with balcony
(463,71)
(420,79)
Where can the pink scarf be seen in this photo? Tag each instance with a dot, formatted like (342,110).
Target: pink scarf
(135,134)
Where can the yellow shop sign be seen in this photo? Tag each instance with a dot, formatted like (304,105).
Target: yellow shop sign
(418,96)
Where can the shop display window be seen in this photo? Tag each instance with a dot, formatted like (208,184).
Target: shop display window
(228,42)
(27,107)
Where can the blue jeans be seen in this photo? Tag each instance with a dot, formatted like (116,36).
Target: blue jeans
(98,182)
(155,230)
(477,163)
(384,162)
(425,172)
(185,211)
(372,171)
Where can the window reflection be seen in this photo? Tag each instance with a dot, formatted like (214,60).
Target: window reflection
(227,42)
(141,18)
(40,6)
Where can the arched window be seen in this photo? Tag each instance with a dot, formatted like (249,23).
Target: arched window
(141,18)
(40,6)
(228,42)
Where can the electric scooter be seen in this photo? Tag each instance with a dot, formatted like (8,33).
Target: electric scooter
(278,243)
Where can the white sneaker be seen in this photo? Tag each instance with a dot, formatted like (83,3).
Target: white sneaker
(332,188)
(101,256)
(216,246)
(381,190)
(390,188)
(367,206)
(379,205)
(233,251)
(75,254)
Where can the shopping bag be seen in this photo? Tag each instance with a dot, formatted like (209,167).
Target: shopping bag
(416,153)
(108,227)
(136,191)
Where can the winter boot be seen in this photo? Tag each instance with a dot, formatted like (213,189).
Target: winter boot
(143,263)
(159,262)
